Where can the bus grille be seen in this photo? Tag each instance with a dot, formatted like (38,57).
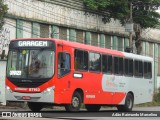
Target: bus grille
(28,85)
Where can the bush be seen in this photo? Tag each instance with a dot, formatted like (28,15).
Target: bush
(156,97)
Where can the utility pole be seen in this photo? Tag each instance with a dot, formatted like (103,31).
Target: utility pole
(130,33)
(129,28)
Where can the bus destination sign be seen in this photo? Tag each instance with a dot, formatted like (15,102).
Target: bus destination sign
(20,44)
(32,43)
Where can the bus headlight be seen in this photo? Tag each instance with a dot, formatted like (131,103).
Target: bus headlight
(9,89)
(48,90)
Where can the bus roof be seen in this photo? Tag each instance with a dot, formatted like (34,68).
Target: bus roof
(93,48)
(137,57)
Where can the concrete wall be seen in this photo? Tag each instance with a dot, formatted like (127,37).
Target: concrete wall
(7,33)
(2,81)
(61,15)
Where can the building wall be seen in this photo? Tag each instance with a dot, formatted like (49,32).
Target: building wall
(61,15)
(2,82)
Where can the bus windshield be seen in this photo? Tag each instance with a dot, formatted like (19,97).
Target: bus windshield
(30,63)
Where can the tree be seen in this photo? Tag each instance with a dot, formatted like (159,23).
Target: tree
(3,12)
(143,12)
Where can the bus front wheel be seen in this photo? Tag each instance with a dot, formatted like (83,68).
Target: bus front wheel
(75,104)
(127,107)
(35,106)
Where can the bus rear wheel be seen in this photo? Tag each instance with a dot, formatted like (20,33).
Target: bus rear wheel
(35,106)
(75,104)
(127,107)
(92,108)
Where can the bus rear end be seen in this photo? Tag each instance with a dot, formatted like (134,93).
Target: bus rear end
(30,71)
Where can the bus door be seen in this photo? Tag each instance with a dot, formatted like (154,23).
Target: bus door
(64,69)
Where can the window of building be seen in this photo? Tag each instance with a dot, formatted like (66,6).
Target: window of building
(147,70)
(55,32)
(72,35)
(102,40)
(80,60)
(80,36)
(88,38)
(151,49)
(94,40)
(107,63)
(126,43)
(63,33)
(19,29)
(115,43)
(108,41)
(120,43)
(94,62)
(35,30)
(44,30)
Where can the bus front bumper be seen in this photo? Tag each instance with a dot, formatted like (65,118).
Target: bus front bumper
(47,96)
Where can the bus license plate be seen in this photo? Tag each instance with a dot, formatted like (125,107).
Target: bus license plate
(26,97)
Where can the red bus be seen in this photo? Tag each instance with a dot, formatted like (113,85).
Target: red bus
(42,71)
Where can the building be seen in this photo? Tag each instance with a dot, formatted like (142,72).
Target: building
(70,21)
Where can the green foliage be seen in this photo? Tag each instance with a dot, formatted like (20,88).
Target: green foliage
(155,102)
(3,12)
(144,11)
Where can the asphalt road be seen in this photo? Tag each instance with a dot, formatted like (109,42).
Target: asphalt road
(140,113)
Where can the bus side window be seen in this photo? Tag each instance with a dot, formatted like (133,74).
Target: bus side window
(130,72)
(94,62)
(128,67)
(138,68)
(121,62)
(147,70)
(118,65)
(63,64)
(80,60)
(107,64)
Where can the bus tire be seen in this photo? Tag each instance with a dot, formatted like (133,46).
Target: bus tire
(35,106)
(92,108)
(75,104)
(127,107)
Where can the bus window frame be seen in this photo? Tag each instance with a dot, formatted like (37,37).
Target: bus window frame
(110,73)
(128,75)
(148,62)
(100,62)
(118,66)
(60,76)
(138,76)
(87,61)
